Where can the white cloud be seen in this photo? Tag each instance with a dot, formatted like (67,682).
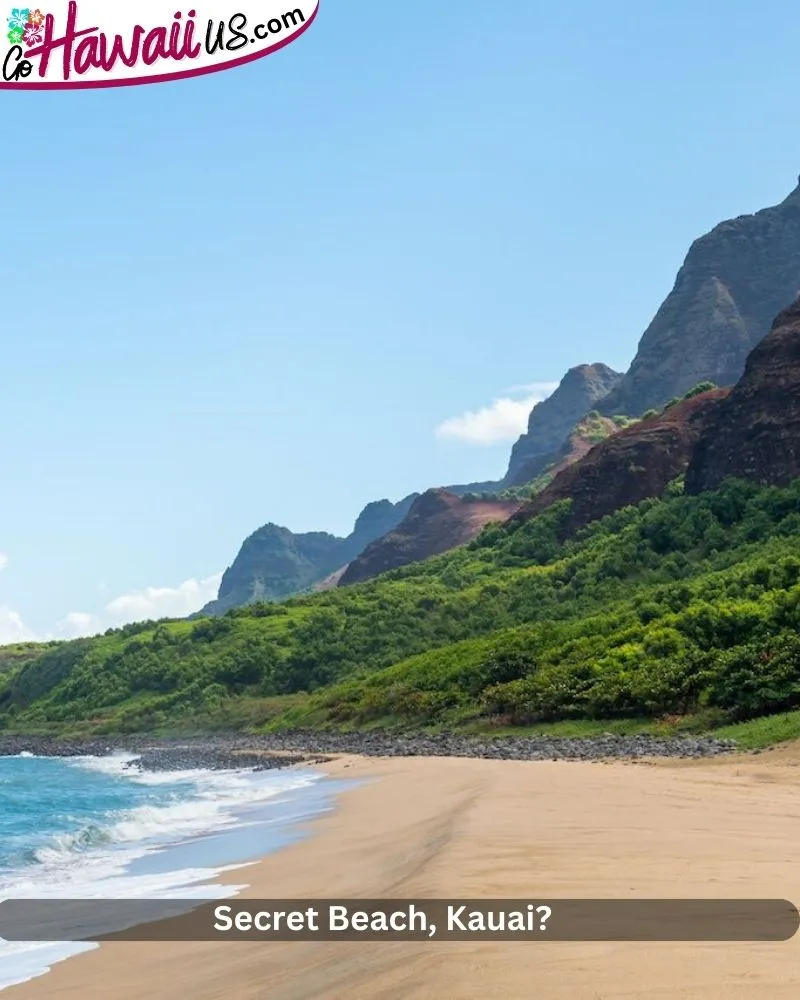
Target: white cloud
(138,605)
(77,624)
(540,390)
(13,628)
(503,420)
(165,602)
(143,605)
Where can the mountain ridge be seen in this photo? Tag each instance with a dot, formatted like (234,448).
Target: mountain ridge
(636,464)
(275,562)
(732,283)
(551,421)
(437,521)
(684,607)
(755,433)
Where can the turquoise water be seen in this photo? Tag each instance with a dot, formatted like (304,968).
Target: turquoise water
(52,809)
(89,827)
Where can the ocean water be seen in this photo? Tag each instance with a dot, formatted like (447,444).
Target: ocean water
(93,827)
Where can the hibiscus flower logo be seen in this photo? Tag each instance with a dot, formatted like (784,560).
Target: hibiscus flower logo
(33,34)
(26,26)
(19,18)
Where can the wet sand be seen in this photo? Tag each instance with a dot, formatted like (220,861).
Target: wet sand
(471,828)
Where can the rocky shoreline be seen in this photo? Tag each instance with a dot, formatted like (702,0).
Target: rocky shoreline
(270,751)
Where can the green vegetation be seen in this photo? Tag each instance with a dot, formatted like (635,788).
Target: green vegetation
(595,428)
(681,613)
(20,652)
(698,389)
(763,732)
(622,421)
(694,391)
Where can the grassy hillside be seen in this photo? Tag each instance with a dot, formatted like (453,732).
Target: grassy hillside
(688,606)
(17,653)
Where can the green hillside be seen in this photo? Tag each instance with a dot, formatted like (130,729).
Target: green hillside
(17,653)
(687,606)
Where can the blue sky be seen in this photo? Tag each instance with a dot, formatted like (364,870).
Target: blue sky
(256,295)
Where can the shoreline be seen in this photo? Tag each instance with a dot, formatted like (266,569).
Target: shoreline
(467,828)
(211,821)
(173,754)
(275,750)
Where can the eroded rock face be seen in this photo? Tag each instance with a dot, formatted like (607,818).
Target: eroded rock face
(585,436)
(552,420)
(733,282)
(274,562)
(755,433)
(437,522)
(375,520)
(633,465)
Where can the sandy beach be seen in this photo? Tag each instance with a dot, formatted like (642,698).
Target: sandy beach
(450,828)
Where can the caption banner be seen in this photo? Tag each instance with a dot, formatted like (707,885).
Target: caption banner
(399,920)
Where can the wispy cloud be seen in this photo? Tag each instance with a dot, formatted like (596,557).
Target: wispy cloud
(13,628)
(541,390)
(77,624)
(137,605)
(502,420)
(165,602)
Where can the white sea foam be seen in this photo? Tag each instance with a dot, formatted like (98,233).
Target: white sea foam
(21,961)
(94,862)
(114,763)
(212,803)
(101,879)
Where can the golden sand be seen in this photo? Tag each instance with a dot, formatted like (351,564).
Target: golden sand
(450,828)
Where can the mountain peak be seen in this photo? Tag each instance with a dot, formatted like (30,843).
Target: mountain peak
(552,420)
(794,196)
(274,562)
(734,280)
(587,372)
(380,516)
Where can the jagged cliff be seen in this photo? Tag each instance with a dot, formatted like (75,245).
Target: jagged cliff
(733,282)
(751,431)
(437,522)
(274,562)
(552,420)
(755,433)
(585,435)
(631,466)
